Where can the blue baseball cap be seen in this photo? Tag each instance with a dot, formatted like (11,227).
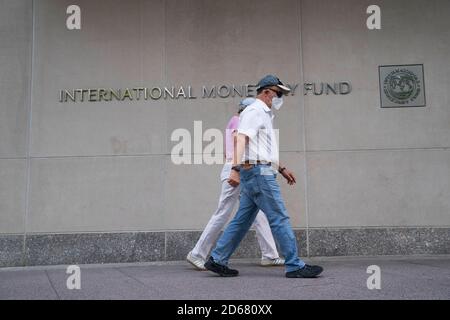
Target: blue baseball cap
(271,80)
(245,102)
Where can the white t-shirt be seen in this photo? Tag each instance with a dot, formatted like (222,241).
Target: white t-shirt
(256,122)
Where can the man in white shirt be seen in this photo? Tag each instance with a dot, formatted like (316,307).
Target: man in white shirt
(254,158)
(227,201)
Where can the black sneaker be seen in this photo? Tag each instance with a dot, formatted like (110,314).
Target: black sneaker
(221,270)
(306,272)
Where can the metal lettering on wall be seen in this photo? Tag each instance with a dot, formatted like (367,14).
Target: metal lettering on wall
(188,92)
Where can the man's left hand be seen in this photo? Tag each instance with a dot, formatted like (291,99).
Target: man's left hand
(289,176)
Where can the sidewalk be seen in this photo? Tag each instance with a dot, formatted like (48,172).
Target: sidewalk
(412,277)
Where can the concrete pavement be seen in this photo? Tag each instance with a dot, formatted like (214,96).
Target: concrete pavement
(410,277)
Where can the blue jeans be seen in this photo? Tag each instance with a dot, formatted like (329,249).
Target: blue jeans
(259,190)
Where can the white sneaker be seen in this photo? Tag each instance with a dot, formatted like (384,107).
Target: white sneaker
(266,262)
(198,263)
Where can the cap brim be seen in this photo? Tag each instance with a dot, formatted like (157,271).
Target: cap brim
(283,88)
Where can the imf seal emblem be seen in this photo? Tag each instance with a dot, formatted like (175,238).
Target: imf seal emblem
(402,86)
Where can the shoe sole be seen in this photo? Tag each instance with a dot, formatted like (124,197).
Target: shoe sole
(196,267)
(227,275)
(300,276)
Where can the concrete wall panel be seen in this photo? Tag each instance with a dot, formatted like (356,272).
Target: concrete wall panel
(120,45)
(338,46)
(15,72)
(12,195)
(96,194)
(370,188)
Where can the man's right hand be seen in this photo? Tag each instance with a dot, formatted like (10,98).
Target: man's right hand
(234,178)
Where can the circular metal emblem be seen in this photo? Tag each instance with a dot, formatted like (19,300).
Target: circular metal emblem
(401,86)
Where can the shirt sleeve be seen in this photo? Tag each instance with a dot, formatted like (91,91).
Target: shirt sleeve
(233,124)
(249,123)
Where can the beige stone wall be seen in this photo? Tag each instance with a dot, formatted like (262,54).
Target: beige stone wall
(105,166)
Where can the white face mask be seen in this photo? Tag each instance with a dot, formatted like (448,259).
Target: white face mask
(277,102)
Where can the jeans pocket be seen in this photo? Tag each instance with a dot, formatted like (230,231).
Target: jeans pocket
(270,178)
(269,185)
(250,184)
(247,173)
(266,171)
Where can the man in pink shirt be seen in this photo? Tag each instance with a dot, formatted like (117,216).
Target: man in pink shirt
(227,201)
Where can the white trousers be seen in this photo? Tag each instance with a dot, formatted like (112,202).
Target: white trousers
(227,201)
